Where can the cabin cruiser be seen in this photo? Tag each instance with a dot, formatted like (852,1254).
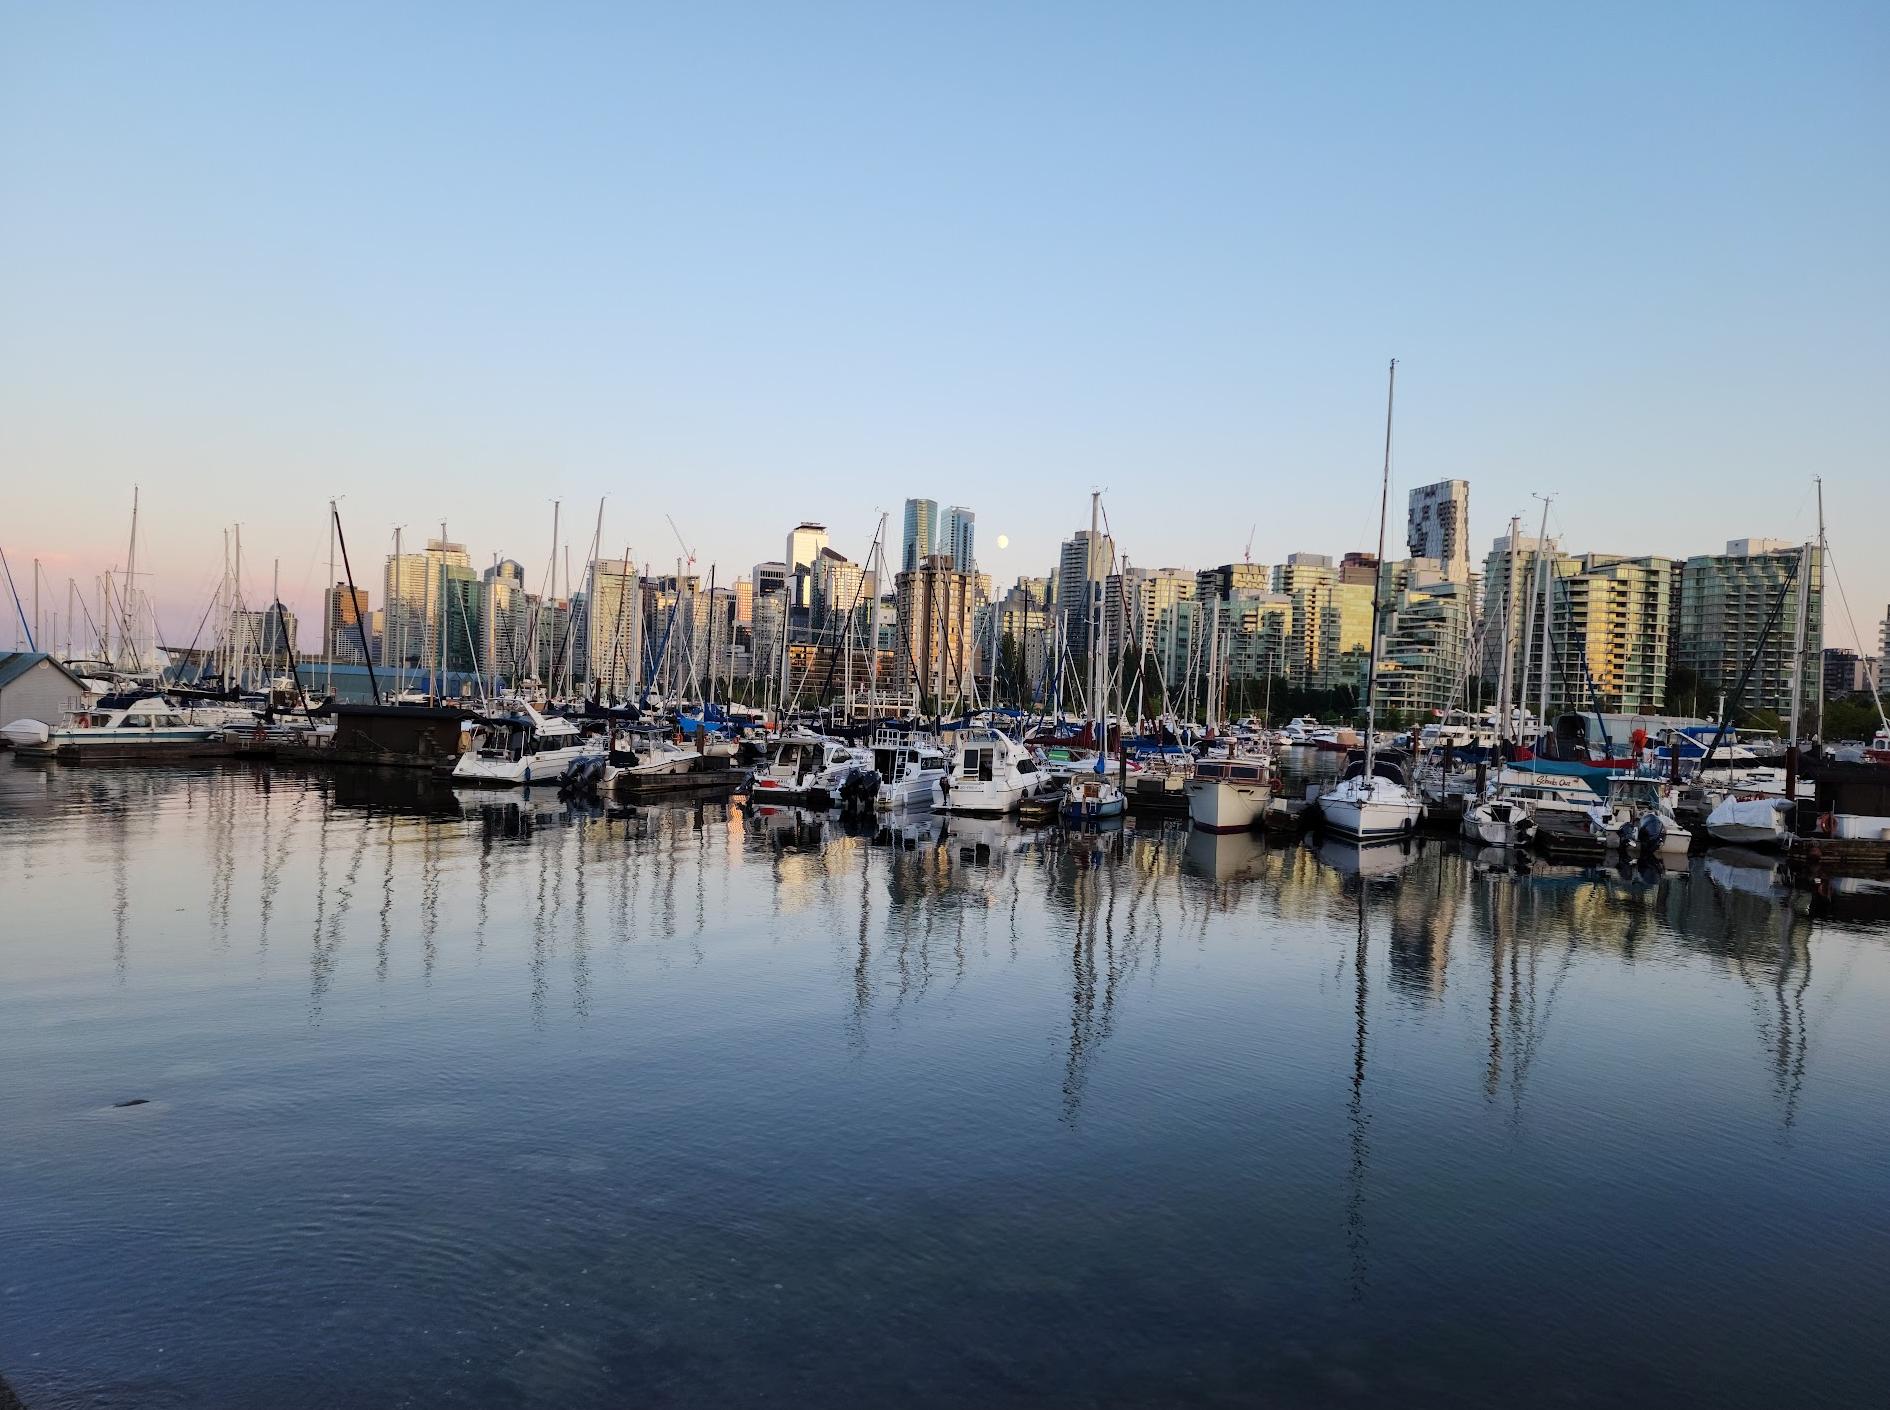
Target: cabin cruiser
(1302,729)
(647,753)
(147,725)
(1229,794)
(808,768)
(990,773)
(524,747)
(909,766)
(1372,807)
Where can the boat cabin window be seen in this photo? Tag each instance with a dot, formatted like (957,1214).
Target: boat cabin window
(973,765)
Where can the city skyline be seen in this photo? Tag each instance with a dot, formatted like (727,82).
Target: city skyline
(231,291)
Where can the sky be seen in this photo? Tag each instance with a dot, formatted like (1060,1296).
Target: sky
(743,265)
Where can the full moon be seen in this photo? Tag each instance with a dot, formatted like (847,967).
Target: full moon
(1004,540)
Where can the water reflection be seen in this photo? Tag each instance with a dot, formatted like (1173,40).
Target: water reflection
(1240,1045)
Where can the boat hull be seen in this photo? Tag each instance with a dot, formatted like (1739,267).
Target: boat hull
(1370,819)
(551,766)
(1218,806)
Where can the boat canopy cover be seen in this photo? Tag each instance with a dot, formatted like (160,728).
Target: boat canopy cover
(1387,765)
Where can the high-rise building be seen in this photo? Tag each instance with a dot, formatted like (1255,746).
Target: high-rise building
(1726,601)
(1359,567)
(1255,627)
(1082,567)
(1024,619)
(840,585)
(767,634)
(956,541)
(1845,672)
(921,536)
(1513,592)
(506,621)
(935,652)
(1423,660)
(1330,642)
(1134,599)
(1439,527)
(412,597)
(804,543)
(769,577)
(1611,630)
(1223,582)
(744,598)
(345,614)
(613,623)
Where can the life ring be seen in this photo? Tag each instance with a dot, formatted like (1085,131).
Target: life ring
(1827,824)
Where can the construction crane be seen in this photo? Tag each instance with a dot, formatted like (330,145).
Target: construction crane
(688,553)
(1246,554)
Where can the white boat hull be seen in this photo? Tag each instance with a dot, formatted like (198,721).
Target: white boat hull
(920,791)
(983,799)
(550,766)
(1369,817)
(1215,805)
(79,743)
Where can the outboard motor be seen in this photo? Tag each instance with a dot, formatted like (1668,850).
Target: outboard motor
(859,790)
(1626,832)
(1653,833)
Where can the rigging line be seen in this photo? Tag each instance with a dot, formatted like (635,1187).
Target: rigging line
(1876,690)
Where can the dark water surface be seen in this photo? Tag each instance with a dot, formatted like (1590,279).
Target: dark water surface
(456,1103)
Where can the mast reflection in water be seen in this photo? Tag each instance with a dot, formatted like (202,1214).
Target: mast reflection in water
(488,1100)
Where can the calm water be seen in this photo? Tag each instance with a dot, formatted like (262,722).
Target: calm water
(458,1103)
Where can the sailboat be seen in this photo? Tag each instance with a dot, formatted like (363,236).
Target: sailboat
(1092,795)
(1374,799)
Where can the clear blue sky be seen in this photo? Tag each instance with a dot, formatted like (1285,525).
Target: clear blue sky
(747,264)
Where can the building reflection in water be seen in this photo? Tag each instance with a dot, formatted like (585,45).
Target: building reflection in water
(911,905)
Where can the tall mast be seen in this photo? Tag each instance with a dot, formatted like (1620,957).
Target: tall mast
(1798,647)
(1506,674)
(1529,618)
(1818,734)
(1378,581)
(1093,605)
(390,617)
(131,579)
(1547,572)
(332,605)
(442,625)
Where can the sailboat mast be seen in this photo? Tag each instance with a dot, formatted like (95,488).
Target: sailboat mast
(1818,734)
(1378,580)
(1547,572)
(333,608)
(1506,674)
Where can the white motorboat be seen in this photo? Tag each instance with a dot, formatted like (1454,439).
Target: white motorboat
(1641,817)
(803,767)
(523,748)
(1751,822)
(147,726)
(647,753)
(909,766)
(1499,820)
(1228,795)
(990,773)
(1302,729)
